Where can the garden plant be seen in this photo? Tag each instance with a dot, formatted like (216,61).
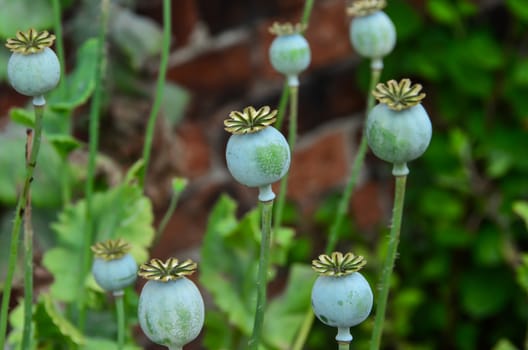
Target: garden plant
(449,270)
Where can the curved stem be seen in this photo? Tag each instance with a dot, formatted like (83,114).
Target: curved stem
(304,331)
(354,174)
(28,256)
(266,209)
(388,264)
(168,214)
(95,110)
(120,306)
(149,135)
(292,136)
(19,213)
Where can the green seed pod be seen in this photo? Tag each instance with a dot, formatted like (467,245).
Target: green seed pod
(171,308)
(341,296)
(398,128)
(289,52)
(372,33)
(33,68)
(257,154)
(113,268)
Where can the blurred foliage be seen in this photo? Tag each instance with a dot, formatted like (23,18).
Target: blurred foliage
(461,271)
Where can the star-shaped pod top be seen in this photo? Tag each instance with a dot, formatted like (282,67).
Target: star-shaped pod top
(337,264)
(111,249)
(365,7)
(168,270)
(250,120)
(287,28)
(30,42)
(399,96)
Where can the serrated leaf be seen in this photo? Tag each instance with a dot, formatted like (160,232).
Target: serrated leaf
(286,313)
(230,253)
(35,14)
(121,212)
(23,117)
(65,327)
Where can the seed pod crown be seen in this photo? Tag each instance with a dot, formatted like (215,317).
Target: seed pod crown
(111,249)
(287,28)
(337,264)
(250,120)
(399,96)
(168,270)
(30,42)
(365,7)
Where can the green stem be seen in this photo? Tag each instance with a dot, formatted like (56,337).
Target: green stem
(59,45)
(120,306)
(19,213)
(283,102)
(28,256)
(149,135)
(354,174)
(165,220)
(345,199)
(266,209)
(307,11)
(388,264)
(343,346)
(95,111)
(292,136)
(304,331)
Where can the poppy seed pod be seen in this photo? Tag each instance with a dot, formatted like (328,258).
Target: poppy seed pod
(33,68)
(398,128)
(289,52)
(341,296)
(171,308)
(257,154)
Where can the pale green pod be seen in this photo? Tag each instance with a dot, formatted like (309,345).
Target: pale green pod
(258,159)
(290,55)
(373,35)
(398,136)
(34,74)
(171,313)
(115,275)
(342,301)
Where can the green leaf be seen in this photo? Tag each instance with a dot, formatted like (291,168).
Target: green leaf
(229,263)
(137,36)
(518,8)
(64,326)
(4,58)
(105,344)
(505,344)
(405,18)
(80,84)
(32,13)
(286,313)
(64,144)
(121,212)
(23,117)
(175,100)
(522,273)
(45,189)
(521,208)
(485,292)
(443,11)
